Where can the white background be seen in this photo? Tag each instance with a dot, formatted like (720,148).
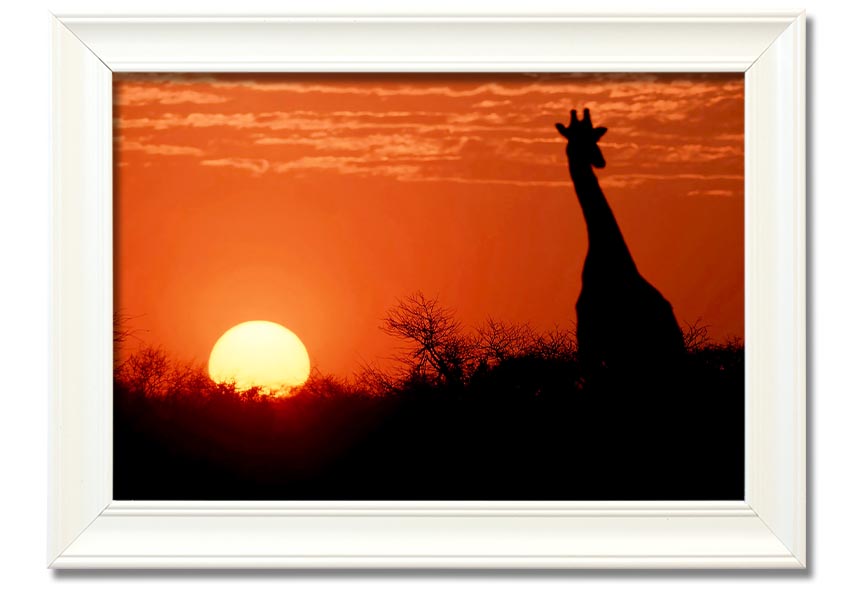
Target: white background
(23,340)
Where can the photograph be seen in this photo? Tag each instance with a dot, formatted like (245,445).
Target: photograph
(428,286)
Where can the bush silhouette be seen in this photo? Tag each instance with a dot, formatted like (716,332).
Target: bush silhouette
(497,411)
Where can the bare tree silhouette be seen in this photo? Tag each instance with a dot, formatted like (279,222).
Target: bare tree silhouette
(151,373)
(695,336)
(147,372)
(121,330)
(499,340)
(555,344)
(437,348)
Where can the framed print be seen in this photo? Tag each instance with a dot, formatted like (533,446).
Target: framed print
(428,292)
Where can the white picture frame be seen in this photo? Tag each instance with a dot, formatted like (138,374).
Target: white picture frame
(87,529)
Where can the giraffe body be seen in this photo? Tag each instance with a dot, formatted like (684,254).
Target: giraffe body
(624,323)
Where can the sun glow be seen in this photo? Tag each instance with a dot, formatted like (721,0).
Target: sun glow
(260,354)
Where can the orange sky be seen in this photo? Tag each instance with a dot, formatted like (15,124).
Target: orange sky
(317,200)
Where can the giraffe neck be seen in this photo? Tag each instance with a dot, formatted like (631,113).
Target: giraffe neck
(606,245)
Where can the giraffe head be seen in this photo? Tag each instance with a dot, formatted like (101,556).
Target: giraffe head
(582,141)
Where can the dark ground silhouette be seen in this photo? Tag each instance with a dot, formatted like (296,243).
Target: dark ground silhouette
(502,413)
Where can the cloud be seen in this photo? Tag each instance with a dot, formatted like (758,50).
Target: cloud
(489,181)
(134,95)
(628,180)
(162,149)
(347,124)
(491,103)
(721,193)
(580,86)
(256,166)
(345,166)
(729,137)
(494,132)
(378,146)
(699,153)
(370,165)
(494,89)
(402,172)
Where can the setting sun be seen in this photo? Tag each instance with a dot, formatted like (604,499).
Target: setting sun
(260,354)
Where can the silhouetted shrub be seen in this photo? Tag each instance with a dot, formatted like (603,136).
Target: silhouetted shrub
(498,412)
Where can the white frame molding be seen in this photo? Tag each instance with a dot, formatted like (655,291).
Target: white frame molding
(88,529)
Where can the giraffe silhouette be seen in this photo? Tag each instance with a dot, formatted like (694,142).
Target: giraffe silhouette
(624,324)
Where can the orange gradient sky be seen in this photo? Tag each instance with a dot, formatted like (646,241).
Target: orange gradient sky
(316,201)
